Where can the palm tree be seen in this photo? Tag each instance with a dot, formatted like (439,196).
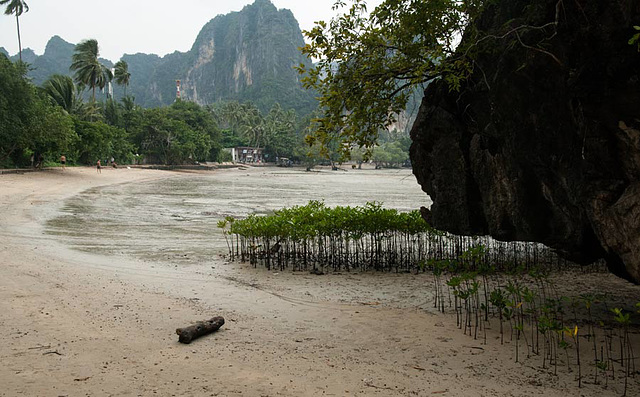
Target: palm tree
(252,125)
(88,69)
(62,92)
(122,75)
(16,7)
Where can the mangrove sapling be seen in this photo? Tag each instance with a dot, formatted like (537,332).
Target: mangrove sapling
(530,300)
(576,339)
(609,344)
(438,268)
(518,325)
(574,304)
(485,271)
(508,315)
(591,333)
(484,329)
(475,293)
(465,294)
(498,301)
(544,324)
(564,345)
(624,319)
(519,329)
(556,330)
(226,231)
(514,293)
(454,283)
(549,325)
(603,365)
(468,294)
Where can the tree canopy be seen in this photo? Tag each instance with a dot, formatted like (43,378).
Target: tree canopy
(122,75)
(89,72)
(28,122)
(368,62)
(277,131)
(17,8)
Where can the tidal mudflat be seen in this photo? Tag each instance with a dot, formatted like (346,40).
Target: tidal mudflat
(99,270)
(175,219)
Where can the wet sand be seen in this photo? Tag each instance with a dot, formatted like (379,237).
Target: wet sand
(95,312)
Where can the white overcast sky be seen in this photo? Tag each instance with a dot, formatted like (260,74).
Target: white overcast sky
(131,26)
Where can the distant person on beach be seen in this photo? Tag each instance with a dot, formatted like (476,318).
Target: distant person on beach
(99,167)
(32,158)
(40,161)
(63,161)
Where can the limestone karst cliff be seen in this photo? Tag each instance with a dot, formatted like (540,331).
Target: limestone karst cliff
(543,141)
(247,55)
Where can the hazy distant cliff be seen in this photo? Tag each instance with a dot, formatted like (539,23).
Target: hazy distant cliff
(245,55)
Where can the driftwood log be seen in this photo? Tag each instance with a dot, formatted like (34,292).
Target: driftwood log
(199,329)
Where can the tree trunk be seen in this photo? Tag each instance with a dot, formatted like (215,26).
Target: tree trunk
(19,42)
(199,329)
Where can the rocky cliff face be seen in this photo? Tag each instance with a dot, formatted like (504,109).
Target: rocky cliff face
(55,60)
(543,142)
(247,56)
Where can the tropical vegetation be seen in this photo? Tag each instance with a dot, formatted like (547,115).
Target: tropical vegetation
(17,8)
(368,237)
(89,72)
(502,291)
(585,334)
(278,131)
(29,123)
(122,75)
(369,63)
(102,128)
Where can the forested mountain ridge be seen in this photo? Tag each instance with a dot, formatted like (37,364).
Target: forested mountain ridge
(246,56)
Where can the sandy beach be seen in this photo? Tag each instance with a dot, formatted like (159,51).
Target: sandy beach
(89,322)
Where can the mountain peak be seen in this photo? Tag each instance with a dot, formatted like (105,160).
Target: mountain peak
(56,44)
(247,55)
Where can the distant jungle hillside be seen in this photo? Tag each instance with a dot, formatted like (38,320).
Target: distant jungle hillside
(245,56)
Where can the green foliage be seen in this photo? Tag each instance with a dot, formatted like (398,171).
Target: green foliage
(17,8)
(314,219)
(621,317)
(635,39)
(57,135)
(200,121)
(62,92)
(18,108)
(101,141)
(176,135)
(389,154)
(229,139)
(28,122)
(122,75)
(246,126)
(89,72)
(280,137)
(335,237)
(367,64)
(54,121)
